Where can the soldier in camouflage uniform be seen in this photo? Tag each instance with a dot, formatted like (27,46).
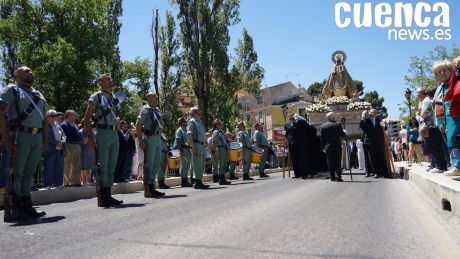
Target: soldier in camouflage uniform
(185,154)
(148,129)
(103,109)
(246,141)
(219,148)
(261,141)
(25,135)
(197,139)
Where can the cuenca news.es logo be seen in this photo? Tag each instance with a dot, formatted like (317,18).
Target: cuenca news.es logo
(404,21)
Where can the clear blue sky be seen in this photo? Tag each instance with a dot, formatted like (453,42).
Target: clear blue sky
(295,38)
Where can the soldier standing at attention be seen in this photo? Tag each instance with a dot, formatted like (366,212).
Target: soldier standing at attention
(185,154)
(261,142)
(197,138)
(246,141)
(148,129)
(219,148)
(25,136)
(103,108)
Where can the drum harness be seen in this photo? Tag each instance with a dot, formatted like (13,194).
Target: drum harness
(195,139)
(155,122)
(244,134)
(21,116)
(223,140)
(183,145)
(260,145)
(104,113)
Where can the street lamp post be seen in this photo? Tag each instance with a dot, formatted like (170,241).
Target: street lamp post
(408,95)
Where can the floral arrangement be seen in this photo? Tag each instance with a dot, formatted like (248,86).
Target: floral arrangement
(359,106)
(338,100)
(318,107)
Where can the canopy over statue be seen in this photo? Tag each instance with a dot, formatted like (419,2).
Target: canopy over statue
(339,82)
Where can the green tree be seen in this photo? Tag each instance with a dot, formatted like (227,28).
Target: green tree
(359,86)
(420,75)
(246,74)
(376,102)
(205,38)
(9,46)
(170,75)
(315,89)
(137,74)
(250,72)
(67,44)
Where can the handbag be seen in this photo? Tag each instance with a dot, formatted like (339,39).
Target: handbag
(424,130)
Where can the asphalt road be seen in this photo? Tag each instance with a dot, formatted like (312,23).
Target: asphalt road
(272,218)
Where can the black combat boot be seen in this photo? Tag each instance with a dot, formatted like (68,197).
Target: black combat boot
(112,200)
(18,212)
(155,194)
(263,175)
(185,183)
(215,178)
(27,204)
(247,178)
(105,202)
(162,185)
(192,180)
(233,177)
(199,185)
(222,180)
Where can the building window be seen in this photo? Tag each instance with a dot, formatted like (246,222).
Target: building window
(260,99)
(248,117)
(246,106)
(261,116)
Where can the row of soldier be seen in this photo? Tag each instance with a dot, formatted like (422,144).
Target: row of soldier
(23,130)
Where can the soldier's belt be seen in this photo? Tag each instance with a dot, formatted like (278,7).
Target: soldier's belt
(262,146)
(33,131)
(198,142)
(109,127)
(185,147)
(150,133)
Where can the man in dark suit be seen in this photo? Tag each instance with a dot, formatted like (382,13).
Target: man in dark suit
(297,133)
(374,141)
(331,133)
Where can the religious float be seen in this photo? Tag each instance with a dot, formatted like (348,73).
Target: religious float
(340,96)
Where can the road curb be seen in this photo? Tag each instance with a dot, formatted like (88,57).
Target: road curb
(441,189)
(69,194)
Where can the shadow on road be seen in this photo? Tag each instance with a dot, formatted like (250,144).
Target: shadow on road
(129,205)
(262,179)
(174,196)
(39,221)
(214,188)
(268,252)
(350,181)
(241,183)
